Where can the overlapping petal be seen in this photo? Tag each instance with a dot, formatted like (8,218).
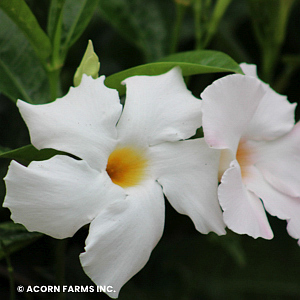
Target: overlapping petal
(158,109)
(243,211)
(57,196)
(228,106)
(276,203)
(123,235)
(188,173)
(280,162)
(81,123)
(274,116)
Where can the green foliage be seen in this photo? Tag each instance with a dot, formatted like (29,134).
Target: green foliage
(208,15)
(21,14)
(67,21)
(269,19)
(33,51)
(21,74)
(191,63)
(28,153)
(143,24)
(30,61)
(14,237)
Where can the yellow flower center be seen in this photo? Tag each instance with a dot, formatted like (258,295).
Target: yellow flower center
(126,166)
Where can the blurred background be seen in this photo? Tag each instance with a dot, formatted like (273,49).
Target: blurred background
(185,265)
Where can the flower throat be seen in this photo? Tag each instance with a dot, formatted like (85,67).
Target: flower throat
(126,166)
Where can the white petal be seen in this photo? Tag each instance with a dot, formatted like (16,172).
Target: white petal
(228,106)
(249,69)
(188,173)
(158,109)
(276,203)
(123,235)
(82,123)
(243,211)
(280,162)
(57,196)
(274,116)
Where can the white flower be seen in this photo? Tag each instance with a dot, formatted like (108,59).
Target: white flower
(128,161)
(260,157)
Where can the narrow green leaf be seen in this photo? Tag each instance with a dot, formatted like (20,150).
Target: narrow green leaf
(28,153)
(144,25)
(4,149)
(89,65)
(207,15)
(21,14)
(270,19)
(21,73)
(14,237)
(55,11)
(76,16)
(54,29)
(191,63)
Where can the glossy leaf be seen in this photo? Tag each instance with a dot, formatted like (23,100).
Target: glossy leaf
(14,237)
(28,153)
(22,16)
(22,76)
(191,63)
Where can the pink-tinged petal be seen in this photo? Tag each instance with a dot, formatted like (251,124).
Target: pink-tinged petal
(57,196)
(228,106)
(280,162)
(276,203)
(82,123)
(243,211)
(123,235)
(188,173)
(274,116)
(158,109)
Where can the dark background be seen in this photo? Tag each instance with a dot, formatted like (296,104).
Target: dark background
(185,265)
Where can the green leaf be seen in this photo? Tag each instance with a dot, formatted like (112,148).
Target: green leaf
(76,16)
(144,25)
(191,63)
(4,149)
(270,19)
(89,65)
(15,237)
(21,14)
(54,29)
(28,153)
(207,18)
(22,76)
(55,12)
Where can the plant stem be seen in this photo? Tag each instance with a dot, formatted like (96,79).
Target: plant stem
(53,77)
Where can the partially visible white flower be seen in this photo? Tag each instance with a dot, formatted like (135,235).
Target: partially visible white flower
(260,153)
(128,161)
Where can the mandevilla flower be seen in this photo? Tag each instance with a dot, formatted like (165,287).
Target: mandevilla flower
(127,162)
(260,153)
